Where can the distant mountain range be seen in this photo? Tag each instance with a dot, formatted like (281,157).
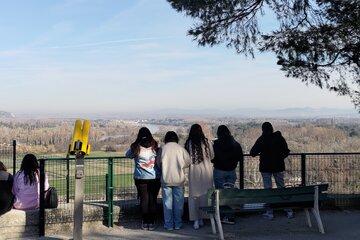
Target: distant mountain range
(306,112)
(4,114)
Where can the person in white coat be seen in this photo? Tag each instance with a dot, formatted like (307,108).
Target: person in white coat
(200,173)
(173,160)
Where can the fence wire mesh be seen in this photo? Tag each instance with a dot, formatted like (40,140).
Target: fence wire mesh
(253,179)
(340,170)
(6,157)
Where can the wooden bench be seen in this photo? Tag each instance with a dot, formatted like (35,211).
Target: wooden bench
(238,200)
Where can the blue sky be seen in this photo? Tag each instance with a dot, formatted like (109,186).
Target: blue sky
(115,56)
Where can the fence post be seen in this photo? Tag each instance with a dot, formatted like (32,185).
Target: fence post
(14,157)
(106,186)
(67,179)
(110,193)
(241,174)
(42,199)
(79,197)
(303,169)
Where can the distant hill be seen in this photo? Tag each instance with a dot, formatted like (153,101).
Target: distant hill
(4,114)
(305,112)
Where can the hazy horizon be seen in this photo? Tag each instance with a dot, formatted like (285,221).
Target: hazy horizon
(305,112)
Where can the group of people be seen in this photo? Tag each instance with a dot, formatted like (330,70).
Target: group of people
(21,191)
(210,164)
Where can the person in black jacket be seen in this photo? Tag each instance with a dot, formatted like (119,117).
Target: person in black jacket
(227,154)
(273,150)
(6,196)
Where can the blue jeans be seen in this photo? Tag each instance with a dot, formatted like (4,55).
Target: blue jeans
(221,177)
(173,204)
(279,180)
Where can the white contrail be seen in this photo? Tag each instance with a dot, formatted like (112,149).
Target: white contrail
(93,44)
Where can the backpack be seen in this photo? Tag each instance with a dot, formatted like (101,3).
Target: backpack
(51,198)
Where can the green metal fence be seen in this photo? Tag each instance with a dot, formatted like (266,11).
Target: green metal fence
(103,175)
(8,157)
(109,180)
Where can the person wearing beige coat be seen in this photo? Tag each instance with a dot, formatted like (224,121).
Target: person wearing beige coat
(173,160)
(200,173)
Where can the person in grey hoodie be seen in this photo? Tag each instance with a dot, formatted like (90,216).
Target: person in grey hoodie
(172,160)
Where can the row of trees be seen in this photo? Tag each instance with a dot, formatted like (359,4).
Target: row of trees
(53,136)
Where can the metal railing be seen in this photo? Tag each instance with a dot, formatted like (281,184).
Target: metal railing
(109,180)
(8,156)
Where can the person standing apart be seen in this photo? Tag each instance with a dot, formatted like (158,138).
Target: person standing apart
(200,173)
(273,150)
(146,175)
(227,154)
(173,160)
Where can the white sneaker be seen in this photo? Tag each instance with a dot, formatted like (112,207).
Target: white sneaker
(201,222)
(269,216)
(290,214)
(196,225)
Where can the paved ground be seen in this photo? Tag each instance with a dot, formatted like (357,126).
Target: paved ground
(338,225)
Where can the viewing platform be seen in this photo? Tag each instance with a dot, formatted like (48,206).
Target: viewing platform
(119,207)
(340,225)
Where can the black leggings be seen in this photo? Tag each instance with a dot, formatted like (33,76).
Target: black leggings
(148,190)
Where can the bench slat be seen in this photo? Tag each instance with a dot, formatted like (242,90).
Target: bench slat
(271,200)
(241,193)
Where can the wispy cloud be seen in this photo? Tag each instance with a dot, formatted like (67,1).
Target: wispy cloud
(68,4)
(104,43)
(11,53)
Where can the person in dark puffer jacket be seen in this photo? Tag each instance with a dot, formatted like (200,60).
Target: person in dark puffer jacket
(227,154)
(273,150)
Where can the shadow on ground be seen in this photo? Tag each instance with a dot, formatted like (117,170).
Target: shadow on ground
(339,225)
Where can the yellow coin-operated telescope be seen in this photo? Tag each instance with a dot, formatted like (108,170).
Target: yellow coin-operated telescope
(79,147)
(80,138)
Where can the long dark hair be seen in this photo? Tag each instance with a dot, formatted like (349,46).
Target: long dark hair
(144,139)
(194,144)
(225,139)
(171,136)
(224,135)
(2,167)
(223,132)
(29,166)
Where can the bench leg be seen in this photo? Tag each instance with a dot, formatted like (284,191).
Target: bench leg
(318,219)
(212,220)
(217,215)
(308,220)
(316,211)
(218,221)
